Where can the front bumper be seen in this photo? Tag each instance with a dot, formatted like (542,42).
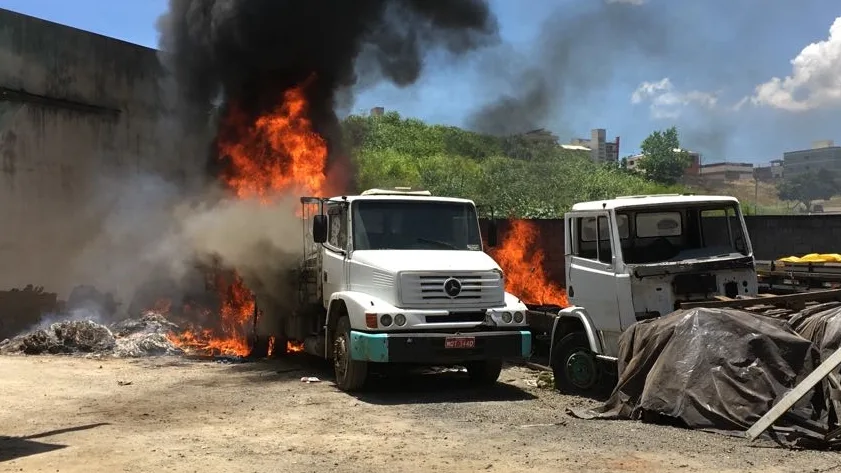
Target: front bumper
(429,347)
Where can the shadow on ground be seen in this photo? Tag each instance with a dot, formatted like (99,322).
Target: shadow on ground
(12,448)
(446,387)
(416,386)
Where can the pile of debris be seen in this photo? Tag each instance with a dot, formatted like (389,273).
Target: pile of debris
(145,336)
(723,369)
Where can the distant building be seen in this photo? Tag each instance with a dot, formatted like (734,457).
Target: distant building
(541,135)
(632,162)
(601,150)
(727,171)
(822,156)
(769,173)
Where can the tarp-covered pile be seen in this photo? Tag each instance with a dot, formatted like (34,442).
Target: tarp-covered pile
(722,369)
(130,338)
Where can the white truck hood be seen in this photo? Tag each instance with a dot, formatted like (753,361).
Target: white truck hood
(425,260)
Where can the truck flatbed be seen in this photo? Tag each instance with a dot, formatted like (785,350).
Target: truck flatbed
(764,302)
(798,276)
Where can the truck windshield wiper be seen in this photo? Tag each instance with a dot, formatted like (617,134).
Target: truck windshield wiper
(439,243)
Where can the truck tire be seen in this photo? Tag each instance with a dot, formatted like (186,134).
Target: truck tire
(575,367)
(485,372)
(350,374)
(279,348)
(259,348)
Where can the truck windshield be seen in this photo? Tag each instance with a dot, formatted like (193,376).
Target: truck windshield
(415,225)
(687,233)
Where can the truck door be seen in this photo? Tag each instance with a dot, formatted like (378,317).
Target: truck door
(590,272)
(335,251)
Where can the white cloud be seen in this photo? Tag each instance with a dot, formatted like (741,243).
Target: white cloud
(815,80)
(665,102)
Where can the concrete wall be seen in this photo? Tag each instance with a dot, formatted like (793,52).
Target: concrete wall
(772,236)
(76,110)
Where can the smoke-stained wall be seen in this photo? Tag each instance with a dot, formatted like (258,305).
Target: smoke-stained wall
(79,112)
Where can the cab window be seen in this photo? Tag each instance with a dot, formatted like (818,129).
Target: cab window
(337,223)
(593,237)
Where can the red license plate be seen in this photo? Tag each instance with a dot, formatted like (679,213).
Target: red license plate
(460,342)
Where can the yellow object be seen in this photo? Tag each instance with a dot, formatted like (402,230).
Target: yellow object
(813,258)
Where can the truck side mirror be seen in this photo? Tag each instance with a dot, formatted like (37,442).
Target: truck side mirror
(319,228)
(492,233)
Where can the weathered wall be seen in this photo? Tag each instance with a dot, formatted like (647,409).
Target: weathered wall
(772,236)
(79,112)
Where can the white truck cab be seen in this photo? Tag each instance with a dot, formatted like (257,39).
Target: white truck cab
(400,276)
(634,258)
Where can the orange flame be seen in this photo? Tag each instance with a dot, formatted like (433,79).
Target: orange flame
(521,259)
(236,314)
(271,346)
(278,153)
(294,347)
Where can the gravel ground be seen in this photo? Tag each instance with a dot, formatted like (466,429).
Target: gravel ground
(67,414)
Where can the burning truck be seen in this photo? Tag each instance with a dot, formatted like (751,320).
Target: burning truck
(397,277)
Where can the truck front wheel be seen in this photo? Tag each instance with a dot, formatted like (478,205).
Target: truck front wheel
(574,366)
(350,374)
(485,372)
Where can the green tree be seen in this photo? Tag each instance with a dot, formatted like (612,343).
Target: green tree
(808,187)
(663,159)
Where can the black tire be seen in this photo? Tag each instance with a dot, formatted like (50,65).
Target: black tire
(350,374)
(485,372)
(279,347)
(575,367)
(259,348)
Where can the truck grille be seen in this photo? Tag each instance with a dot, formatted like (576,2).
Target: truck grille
(477,289)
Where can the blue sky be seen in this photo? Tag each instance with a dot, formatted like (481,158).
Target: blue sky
(703,79)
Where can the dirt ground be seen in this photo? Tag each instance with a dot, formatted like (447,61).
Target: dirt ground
(68,414)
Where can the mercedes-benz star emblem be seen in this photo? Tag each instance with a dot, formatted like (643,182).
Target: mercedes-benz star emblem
(452,287)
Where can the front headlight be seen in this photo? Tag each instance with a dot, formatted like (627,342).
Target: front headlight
(506,317)
(519,317)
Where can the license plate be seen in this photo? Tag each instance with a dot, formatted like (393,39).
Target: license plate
(460,342)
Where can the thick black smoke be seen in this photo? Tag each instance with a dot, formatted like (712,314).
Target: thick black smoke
(247,52)
(578,51)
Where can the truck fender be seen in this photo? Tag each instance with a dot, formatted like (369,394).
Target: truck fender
(578,318)
(352,304)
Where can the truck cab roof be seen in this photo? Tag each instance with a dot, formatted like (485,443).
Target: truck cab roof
(399,193)
(650,200)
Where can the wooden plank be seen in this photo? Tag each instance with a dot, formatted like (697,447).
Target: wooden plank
(790,398)
(788,299)
(800,275)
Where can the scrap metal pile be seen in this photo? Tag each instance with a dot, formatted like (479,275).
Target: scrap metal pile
(146,336)
(723,369)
